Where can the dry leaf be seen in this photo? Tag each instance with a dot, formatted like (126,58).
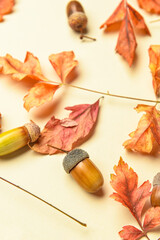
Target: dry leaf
(125,183)
(154,57)
(82,121)
(44,89)
(128,17)
(63,64)
(151,6)
(6,7)
(147,134)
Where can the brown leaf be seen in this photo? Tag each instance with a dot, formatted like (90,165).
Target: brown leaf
(67,137)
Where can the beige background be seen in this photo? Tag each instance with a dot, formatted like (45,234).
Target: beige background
(41,27)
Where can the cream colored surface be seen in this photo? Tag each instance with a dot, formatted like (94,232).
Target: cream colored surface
(41,27)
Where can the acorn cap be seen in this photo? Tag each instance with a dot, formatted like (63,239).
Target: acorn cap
(156,179)
(33,131)
(73,158)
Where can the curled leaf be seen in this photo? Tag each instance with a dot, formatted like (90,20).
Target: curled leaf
(147,134)
(63,63)
(82,121)
(154,65)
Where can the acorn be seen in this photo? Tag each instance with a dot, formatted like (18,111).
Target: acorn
(17,138)
(83,170)
(155,195)
(77,18)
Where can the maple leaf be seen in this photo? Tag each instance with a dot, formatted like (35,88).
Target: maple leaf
(43,88)
(63,63)
(154,65)
(6,7)
(147,134)
(125,183)
(128,17)
(69,132)
(151,6)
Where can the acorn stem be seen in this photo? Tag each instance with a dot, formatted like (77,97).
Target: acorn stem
(58,148)
(85,36)
(42,200)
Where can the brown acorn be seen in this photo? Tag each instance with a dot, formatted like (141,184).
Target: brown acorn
(83,170)
(155,196)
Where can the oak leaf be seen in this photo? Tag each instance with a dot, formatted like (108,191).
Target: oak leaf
(63,64)
(151,6)
(125,183)
(43,88)
(128,18)
(154,65)
(68,133)
(147,134)
(6,7)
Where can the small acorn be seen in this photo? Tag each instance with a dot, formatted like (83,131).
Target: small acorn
(77,18)
(155,196)
(83,170)
(17,138)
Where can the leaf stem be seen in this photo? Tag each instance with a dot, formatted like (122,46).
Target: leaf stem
(155,20)
(112,95)
(42,200)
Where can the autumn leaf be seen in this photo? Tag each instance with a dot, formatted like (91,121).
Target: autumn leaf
(154,65)
(151,6)
(6,7)
(147,134)
(63,64)
(69,132)
(43,89)
(125,183)
(128,18)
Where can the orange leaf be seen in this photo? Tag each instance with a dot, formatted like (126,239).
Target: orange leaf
(6,7)
(128,17)
(150,6)
(39,94)
(30,68)
(125,183)
(63,63)
(68,133)
(126,43)
(154,64)
(143,139)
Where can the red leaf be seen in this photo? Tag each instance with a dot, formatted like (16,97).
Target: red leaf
(125,184)
(151,6)
(63,63)
(67,137)
(128,17)
(152,218)
(130,233)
